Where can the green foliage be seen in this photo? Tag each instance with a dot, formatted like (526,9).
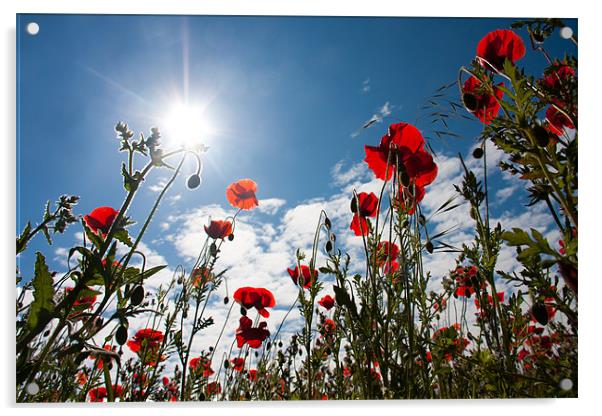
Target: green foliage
(43,295)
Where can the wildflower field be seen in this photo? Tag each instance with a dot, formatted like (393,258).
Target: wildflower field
(362,324)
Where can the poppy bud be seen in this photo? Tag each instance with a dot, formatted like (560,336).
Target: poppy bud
(194,181)
(226,300)
(473,213)
(268,345)
(231,237)
(137,296)
(353,205)
(256,354)
(540,313)
(243,311)
(280,344)
(328,246)
(327,223)
(477,153)
(538,36)
(421,219)
(121,336)
(210,349)
(542,137)
(404,177)
(405,224)
(226,364)
(470,101)
(213,250)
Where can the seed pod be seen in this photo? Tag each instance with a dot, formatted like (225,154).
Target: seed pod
(353,205)
(194,181)
(470,101)
(540,313)
(542,136)
(429,247)
(538,36)
(231,237)
(121,336)
(137,296)
(477,153)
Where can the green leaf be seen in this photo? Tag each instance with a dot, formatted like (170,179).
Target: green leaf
(149,272)
(22,240)
(517,237)
(94,238)
(123,236)
(129,182)
(47,235)
(43,293)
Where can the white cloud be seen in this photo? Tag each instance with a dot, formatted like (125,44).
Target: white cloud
(366,86)
(271,205)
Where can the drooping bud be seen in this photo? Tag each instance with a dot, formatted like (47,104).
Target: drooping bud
(137,296)
(470,101)
(121,335)
(477,153)
(194,181)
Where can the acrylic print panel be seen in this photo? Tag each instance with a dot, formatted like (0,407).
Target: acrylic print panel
(220,208)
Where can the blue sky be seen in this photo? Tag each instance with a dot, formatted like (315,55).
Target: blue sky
(284,96)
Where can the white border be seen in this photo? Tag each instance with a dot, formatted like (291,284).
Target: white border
(591,197)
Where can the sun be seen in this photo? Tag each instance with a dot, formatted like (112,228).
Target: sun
(186,125)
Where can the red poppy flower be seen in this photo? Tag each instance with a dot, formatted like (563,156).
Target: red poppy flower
(464,291)
(247,334)
(219,229)
(100,393)
(557,77)
(101,219)
(201,363)
(499,45)
(308,277)
(253,375)
(85,300)
(258,298)
(410,197)
(149,338)
(480,102)
(557,121)
(81,378)
(238,364)
(213,388)
(500,297)
(403,146)
(201,276)
(366,205)
(329,327)
(241,194)
(346,372)
(386,254)
(326,302)
(100,359)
